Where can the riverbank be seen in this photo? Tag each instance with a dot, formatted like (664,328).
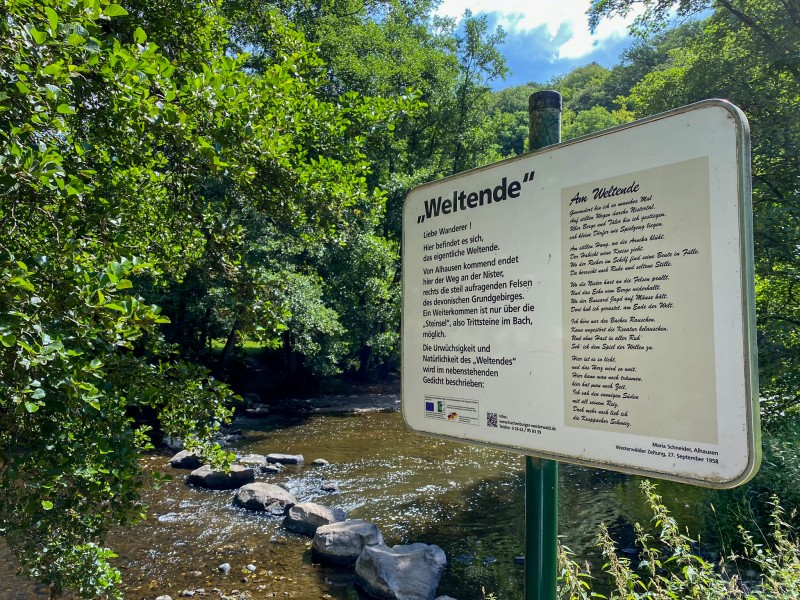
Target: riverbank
(386,399)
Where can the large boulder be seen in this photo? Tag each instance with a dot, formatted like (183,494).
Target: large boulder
(285,459)
(306,517)
(405,572)
(185,460)
(264,497)
(342,543)
(207,477)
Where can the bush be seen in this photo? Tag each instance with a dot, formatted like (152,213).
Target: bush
(670,566)
(753,502)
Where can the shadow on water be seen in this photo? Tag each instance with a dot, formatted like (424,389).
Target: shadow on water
(467,500)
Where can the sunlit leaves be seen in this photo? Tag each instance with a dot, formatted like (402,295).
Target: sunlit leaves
(114,10)
(134,150)
(746,51)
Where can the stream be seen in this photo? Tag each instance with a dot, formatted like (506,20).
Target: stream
(466,499)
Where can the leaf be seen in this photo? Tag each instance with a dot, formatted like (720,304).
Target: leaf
(38,394)
(31,407)
(23,283)
(38,36)
(52,17)
(47,505)
(124,284)
(65,109)
(75,40)
(139,36)
(114,10)
(111,273)
(8,340)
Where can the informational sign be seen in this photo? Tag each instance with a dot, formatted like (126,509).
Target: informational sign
(592,302)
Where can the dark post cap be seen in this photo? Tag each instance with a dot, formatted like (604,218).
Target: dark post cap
(544,99)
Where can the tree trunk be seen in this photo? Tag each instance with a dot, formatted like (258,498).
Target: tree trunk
(364,355)
(204,326)
(230,345)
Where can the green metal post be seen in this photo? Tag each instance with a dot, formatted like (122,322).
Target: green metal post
(541,476)
(544,112)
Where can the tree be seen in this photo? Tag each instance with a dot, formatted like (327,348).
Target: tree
(589,101)
(584,88)
(394,49)
(363,283)
(646,54)
(589,121)
(772,23)
(508,118)
(749,52)
(127,163)
(480,62)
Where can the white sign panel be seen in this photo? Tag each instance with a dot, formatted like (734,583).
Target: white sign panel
(592,302)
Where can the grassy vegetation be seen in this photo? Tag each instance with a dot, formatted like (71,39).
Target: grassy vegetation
(671,564)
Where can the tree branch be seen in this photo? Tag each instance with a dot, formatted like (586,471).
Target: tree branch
(793,10)
(762,33)
(772,187)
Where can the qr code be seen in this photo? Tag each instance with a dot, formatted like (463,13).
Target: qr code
(491,419)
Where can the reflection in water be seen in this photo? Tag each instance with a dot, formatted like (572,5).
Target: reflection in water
(466,499)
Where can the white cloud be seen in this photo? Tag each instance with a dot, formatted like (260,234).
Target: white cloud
(565,21)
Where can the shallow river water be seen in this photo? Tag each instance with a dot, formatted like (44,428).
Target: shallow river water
(466,499)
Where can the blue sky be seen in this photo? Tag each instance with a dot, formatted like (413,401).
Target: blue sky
(545,38)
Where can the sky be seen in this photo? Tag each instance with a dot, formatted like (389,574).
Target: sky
(545,38)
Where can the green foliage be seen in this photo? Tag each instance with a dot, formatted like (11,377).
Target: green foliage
(746,51)
(671,567)
(655,14)
(81,354)
(670,570)
(436,75)
(362,282)
(508,118)
(574,580)
(753,503)
(480,62)
(169,176)
(132,159)
(584,88)
(589,121)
